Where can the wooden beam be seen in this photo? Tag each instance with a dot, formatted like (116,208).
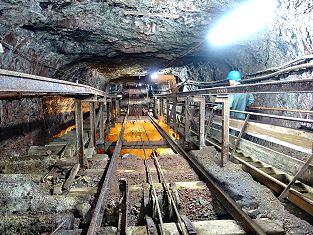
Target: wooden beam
(201,100)
(167,111)
(92,122)
(240,135)
(187,120)
(292,138)
(79,132)
(225,127)
(101,121)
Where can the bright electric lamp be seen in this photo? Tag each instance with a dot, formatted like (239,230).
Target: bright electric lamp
(250,17)
(154,75)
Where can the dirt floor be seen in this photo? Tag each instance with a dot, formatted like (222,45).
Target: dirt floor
(257,200)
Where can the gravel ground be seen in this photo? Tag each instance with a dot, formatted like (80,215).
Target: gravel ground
(257,200)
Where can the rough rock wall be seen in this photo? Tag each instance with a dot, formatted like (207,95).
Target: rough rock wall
(27,122)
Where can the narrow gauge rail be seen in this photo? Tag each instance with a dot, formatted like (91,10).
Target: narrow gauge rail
(156,225)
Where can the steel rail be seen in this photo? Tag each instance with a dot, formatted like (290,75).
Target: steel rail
(246,222)
(167,190)
(15,84)
(155,197)
(98,211)
(150,179)
(170,196)
(291,86)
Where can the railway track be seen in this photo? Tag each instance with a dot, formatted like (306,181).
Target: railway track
(301,195)
(153,203)
(161,190)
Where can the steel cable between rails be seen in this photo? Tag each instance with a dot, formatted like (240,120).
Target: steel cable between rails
(165,185)
(150,179)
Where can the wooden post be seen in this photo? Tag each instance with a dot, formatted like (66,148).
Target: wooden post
(108,106)
(79,132)
(113,109)
(208,129)
(201,100)
(161,107)
(245,124)
(92,123)
(187,120)
(225,125)
(101,127)
(117,107)
(155,108)
(167,111)
(174,109)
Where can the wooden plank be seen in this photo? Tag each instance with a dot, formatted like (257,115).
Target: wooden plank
(239,136)
(92,123)
(79,132)
(187,120)
(225,127)
(68,183)
(288,137)
(271,157)
(201,101)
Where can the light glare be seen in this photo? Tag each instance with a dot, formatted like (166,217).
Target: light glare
(248,18)
(154,75)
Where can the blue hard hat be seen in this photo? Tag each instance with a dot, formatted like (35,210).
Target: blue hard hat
(234,75)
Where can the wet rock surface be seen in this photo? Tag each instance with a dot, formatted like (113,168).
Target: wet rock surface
(257,200)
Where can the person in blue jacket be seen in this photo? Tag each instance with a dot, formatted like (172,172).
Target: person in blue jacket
(238,101)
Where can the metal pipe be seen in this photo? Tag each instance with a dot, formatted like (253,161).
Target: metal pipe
(293,86)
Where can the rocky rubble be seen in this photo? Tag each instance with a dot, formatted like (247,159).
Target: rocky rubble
(257,200)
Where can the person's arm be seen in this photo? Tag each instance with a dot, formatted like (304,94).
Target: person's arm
(250,100)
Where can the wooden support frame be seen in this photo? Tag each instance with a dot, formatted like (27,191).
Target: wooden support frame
(79,133)
(92,122)
(225,127)
(108,110)
(117,107)
(285,193)
(174,116)
(245,124)
(201,100)
(167,111)
(101,121)
(161,106)
(187,119)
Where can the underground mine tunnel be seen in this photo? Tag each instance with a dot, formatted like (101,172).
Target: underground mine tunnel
(156,117)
